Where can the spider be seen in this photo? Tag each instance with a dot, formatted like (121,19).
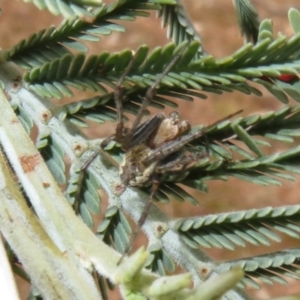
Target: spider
(152,148)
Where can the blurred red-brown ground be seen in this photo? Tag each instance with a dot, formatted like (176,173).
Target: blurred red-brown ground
(216,23)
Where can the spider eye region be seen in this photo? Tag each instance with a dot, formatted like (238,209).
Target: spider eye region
(169,129)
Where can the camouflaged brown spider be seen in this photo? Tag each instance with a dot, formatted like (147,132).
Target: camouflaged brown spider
(152,148)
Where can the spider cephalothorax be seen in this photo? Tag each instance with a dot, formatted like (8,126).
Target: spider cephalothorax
(137,169)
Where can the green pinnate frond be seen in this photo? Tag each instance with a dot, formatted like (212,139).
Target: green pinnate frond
(255,167)
(82,8)
(177,193)
(55,77)
(270,269)
(205,74)
(247,19)
(53,155)
(263,171)
(159,260)
(24,118)
(180,28)
(82,194)
(228,230)
(114,229)
(47,45)
(68,8)
(95,109)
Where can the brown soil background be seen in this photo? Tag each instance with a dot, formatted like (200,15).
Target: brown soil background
(215,21)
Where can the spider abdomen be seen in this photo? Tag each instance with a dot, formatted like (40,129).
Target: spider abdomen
(133,171)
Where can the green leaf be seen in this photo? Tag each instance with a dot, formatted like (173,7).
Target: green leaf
(85,215)
(294,18)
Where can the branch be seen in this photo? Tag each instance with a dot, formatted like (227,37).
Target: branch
(64,228)
(9,288)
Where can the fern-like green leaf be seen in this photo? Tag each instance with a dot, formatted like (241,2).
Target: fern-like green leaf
(270,269)
(47,45)
(68,8)
(114,229)
(227,230)
(180,28)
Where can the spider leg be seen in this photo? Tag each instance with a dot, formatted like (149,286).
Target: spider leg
(165,149)
(144,130)
(180,164)
(118,99)
(120,125)
(103,144)
(206,144)
(143,217)
(174,166)
(90,159)
(148,97)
